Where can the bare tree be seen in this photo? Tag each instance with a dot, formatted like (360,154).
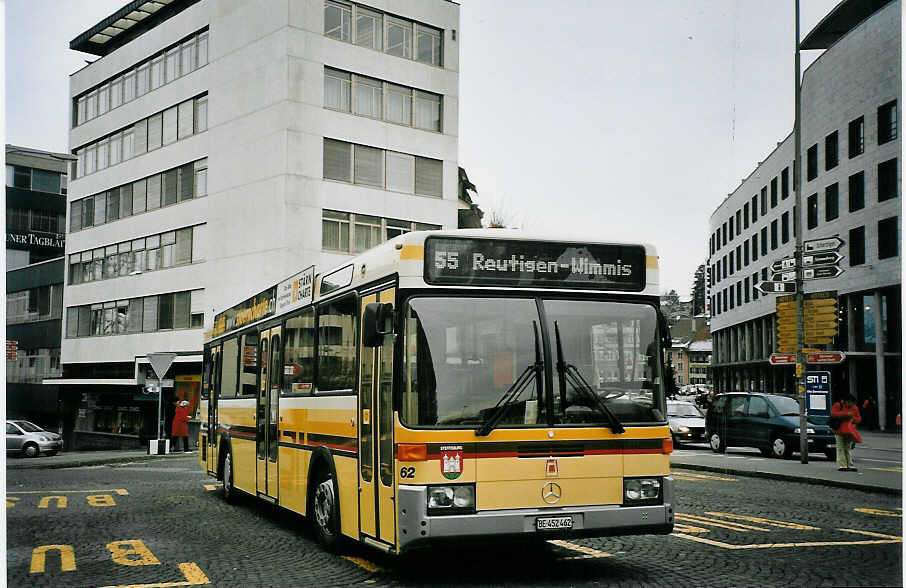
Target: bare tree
(499,214)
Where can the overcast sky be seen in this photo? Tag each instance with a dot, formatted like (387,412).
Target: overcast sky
(618,119)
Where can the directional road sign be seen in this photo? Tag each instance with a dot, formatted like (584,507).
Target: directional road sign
(787,263)
(826,357)
(776,287)
(826,244)
(820,272)
(782,358)
(826,258)
(831,332)
(783,276)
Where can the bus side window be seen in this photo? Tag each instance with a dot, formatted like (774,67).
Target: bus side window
(228,368)
(299,353)
(206,374)
(337,345)
(249,371)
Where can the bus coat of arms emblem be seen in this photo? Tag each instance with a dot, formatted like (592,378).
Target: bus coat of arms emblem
(451,461)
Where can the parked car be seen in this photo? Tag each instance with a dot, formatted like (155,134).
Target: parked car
(687,423)
(769,422)
(30,440)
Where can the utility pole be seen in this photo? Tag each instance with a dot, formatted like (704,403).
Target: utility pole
(797,255)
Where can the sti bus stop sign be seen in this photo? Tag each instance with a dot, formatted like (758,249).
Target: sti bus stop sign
(817,393)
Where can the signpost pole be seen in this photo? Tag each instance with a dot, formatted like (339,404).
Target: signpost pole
(798,226)
(160,363)
(160,396)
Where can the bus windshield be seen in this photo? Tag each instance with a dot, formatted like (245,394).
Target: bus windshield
(463,354)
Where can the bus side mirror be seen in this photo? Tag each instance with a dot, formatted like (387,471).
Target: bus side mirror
(374,323)
(666,339)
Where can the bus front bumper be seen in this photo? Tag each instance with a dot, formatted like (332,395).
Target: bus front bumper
(417,527)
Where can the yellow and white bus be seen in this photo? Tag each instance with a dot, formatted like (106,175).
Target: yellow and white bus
(472,384)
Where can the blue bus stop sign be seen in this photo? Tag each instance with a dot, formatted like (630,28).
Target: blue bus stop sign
(818,393)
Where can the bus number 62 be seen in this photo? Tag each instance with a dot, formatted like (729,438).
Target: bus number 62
(407,472)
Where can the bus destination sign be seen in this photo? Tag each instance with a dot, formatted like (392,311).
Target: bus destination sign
(503,262)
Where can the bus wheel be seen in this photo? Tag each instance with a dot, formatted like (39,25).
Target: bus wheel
(229,491)
(325,508)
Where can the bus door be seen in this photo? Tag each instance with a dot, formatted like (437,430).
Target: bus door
(267,411)
(377,512)
(213,435)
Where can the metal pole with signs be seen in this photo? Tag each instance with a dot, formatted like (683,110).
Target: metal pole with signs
(160,362)
(797,228)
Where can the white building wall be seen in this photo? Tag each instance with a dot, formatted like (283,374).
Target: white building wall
(264,145)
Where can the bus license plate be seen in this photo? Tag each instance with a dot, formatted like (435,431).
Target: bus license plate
(552,523)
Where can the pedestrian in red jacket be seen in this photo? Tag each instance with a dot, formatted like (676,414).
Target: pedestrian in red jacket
(180,429)
(846,411)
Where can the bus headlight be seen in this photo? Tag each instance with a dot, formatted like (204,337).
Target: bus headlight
(453,499)
(682,429)
(809,430)
(641,491)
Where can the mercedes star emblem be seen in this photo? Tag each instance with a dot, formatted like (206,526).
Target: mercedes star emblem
(551,493)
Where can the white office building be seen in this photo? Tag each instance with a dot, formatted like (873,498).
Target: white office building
(852,153)
(224,145)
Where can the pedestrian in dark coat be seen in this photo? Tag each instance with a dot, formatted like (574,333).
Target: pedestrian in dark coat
(847,413)
(180,428)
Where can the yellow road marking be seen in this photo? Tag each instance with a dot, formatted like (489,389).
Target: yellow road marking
(890,469)
(884,540)
(587,552)
(717,523)
(190,571)
(211,486)
(39,557)
(772,522)
(879,512)
(364,563)
(120,491)
(681,528)
(697,477)
(11,501)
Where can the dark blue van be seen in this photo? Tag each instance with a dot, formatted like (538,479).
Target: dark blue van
(769,422)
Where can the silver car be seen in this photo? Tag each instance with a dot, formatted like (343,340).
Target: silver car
(687,423)
(30,440)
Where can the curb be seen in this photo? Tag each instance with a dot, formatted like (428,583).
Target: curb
(791,478)
(89,462)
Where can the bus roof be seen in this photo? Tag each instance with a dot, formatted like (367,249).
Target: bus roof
(404,256)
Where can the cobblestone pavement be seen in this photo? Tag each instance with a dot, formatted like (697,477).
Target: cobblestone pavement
(156,523)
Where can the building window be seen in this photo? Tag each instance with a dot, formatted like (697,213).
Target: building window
(831,202)
(755,286)
(428,45)
(857,191)
(764,201)
(732,232)
(887,122)
(857,137)
(177,122)
(370,94)
(812,163)
(755,247)
(365,165)
(179,184)
(725,233)
(745,215)
(352,233)
(887,180)
(831,155)
(368,28)
(164,67)
(811,218)
(399,37)
(147,314)
(887,238)
(764,240)
(337,21)
(857,246)
(745,253)
(785,183)
(754,208)
(746,290)
(738,223)
(773,234)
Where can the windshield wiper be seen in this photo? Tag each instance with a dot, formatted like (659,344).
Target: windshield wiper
(568,371)
(515,389)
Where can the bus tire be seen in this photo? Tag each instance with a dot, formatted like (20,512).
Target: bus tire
(229,491)
(325,509)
